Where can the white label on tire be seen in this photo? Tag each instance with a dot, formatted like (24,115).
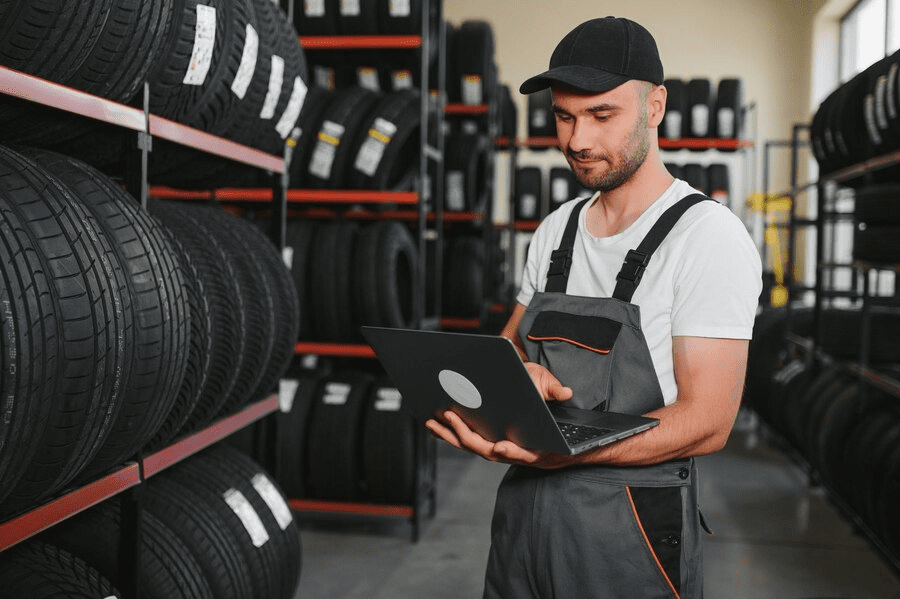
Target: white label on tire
(327,142)
(323,76)
(399,8)
(247,515)
(350,8)
(472,90)
(336,394)
(204,43)
(388,399)
(456,197)
(529,205)
(287,254)
(245,71)
(673,125)
(880,112)
(270,494)
(700,120)
(276,80)
(372,149)
(287,389)
(726,120)
(559,190)
(539,118)
(402,79)
(871,125)
(367,77)
(292,110)
(314,8)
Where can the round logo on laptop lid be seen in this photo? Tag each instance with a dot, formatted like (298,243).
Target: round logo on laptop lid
(460,389)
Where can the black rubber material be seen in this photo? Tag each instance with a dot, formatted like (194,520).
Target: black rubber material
(675,170)
(464,263)
(843,336)
(474,58)
(718,181)
(317,100)
(331,281)
(389,447)
(293,435)
(40,571)
(563,186)
(335,437)
(316,17)
(675,121)
(168,569)
(157,289)
(700,107)
(214,476)
(299,235)
(728,121)
(386,155)
(332,151)
(386,269)
(529,203)
(91,348)
(877,243)
(356,17)
(285,310)
(878,204)
(697,176)
(218,282)
(466,161)
(541,120)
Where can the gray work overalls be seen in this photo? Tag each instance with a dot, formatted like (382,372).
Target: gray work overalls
(597,532)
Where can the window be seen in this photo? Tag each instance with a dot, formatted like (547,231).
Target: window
(869,32)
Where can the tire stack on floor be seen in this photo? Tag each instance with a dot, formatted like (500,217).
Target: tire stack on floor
(845,430)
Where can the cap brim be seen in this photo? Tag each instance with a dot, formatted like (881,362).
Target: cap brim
(580,77)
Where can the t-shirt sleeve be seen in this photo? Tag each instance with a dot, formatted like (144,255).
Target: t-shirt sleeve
(718,285)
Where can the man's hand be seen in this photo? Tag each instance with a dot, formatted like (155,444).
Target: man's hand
(547,384)
(455,432)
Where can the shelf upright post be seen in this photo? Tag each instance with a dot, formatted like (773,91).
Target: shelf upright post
(138,159)
(129,554)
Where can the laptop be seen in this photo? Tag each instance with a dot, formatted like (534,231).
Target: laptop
(482,379)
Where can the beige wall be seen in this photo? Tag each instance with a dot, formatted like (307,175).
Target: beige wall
(766,42)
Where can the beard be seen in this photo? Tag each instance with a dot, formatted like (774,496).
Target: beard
(625,165)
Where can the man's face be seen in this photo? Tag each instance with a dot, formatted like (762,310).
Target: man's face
(604,136)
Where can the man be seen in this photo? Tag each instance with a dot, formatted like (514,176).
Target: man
(640,299)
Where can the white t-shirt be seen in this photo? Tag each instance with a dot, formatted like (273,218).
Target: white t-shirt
(703,281)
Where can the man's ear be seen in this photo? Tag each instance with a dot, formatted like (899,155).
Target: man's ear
(656,105)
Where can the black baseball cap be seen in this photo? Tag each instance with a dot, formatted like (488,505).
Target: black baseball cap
(599,55)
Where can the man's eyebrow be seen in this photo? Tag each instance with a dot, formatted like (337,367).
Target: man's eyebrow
(596,108)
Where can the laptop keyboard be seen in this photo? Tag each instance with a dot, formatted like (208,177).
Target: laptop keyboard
(577,433)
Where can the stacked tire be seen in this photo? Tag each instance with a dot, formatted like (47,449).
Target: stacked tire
(230,68)
(118,335)
(347,274)
(348,436)
(846,429)
(859,120)
(698,108)
(213,526)
(94,339)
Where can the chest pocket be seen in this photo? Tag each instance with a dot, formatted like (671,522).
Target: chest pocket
(579,351)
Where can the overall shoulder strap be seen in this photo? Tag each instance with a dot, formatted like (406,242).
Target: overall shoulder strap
(636,260)
(561,257)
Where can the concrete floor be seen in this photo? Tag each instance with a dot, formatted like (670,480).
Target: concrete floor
(775,537)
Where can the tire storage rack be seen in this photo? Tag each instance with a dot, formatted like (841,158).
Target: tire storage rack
(533,194)
(129,481)
(823,375)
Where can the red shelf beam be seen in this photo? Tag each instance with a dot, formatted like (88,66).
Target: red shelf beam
(35,89)
(199,441)
(368,509)
(29,524)
(335,350)
(344,42)
(449,322)
(456,108)
(707,143)
(236,194)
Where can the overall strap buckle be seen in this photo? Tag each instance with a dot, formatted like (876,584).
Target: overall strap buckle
(633,267)
(560,262)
